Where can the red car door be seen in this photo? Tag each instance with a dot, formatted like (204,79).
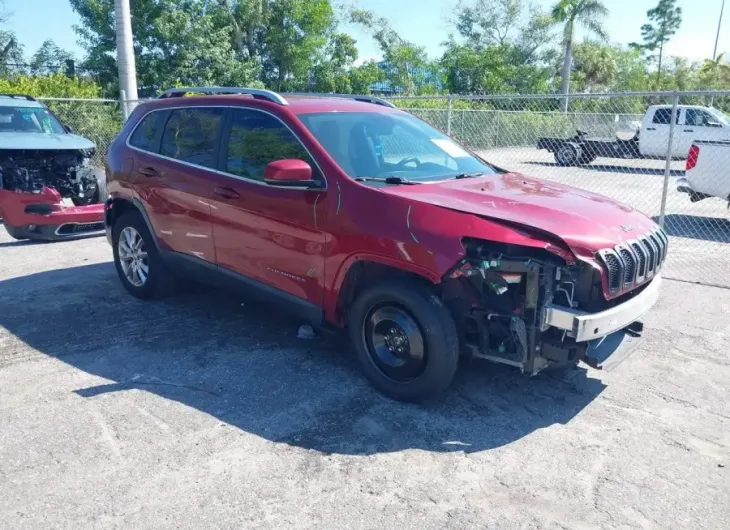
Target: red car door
(176,181)
(267,233)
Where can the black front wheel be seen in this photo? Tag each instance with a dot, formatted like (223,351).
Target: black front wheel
(406,340)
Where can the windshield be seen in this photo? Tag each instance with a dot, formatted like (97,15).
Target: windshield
(371,144)
(29,119)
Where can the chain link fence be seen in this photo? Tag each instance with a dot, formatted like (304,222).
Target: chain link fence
(629,147)
(99,120)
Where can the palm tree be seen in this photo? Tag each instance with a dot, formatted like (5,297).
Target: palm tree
(590,14)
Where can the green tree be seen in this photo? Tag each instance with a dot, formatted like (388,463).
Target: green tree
(588,13)
(715,74)
(296,34)
(175,42)
(404,59)
(485,23)
(491,70)
(363,76)
(664,21)
(595,66)
(49,58)
(284,44)
(11,51)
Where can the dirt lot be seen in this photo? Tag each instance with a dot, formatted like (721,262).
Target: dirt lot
(201,412)
(700,232)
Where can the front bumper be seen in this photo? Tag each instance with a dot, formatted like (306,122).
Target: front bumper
(583,326)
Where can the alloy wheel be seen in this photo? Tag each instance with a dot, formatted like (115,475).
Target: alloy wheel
(133,256)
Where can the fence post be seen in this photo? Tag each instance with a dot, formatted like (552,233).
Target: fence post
(449,112)
(123,103)
(496,133)
(668,162)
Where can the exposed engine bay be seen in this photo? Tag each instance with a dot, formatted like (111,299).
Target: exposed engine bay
(68,171)
(498,294)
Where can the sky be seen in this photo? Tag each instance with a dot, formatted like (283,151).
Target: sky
(425,22)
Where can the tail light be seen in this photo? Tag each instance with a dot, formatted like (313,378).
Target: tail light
(694,154)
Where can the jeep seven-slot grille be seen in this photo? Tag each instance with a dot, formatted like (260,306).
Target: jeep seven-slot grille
(632,264)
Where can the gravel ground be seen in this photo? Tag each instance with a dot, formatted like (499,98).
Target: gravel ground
(700,232)
(205,411)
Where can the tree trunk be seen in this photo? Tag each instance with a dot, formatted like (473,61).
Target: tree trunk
(567,63)
(659,69)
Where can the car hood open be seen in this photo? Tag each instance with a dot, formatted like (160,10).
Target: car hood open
(586,222)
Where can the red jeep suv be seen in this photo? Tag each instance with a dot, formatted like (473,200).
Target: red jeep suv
(352,213)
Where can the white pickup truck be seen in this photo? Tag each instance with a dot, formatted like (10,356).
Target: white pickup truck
(707,172)
(650,138)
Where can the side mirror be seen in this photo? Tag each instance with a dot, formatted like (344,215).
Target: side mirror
(68,129)
(290,172)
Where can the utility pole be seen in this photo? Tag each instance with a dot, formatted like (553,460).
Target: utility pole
(125,54)
(719,23)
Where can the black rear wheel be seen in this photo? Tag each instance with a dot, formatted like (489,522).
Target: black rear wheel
(406,340)
(568,154)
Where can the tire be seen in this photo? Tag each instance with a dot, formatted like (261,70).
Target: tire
(16,232)
(421,314)
(568,154)
(158,282)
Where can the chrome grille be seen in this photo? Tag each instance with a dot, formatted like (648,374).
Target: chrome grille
(630,265)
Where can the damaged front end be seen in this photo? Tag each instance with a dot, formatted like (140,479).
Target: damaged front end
(68,171)
(535,308)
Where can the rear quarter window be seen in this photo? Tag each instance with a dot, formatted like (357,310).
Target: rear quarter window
(146,133)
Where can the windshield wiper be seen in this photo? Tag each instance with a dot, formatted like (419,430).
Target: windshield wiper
(387,180)
(468,175)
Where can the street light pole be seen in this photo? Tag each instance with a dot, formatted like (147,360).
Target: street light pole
(125,55)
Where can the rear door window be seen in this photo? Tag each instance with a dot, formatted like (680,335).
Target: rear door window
(664,117)
(191,135)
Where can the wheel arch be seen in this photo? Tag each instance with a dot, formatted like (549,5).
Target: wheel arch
(360,269)
(116,206)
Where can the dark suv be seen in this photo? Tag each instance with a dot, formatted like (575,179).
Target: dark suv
(352,213)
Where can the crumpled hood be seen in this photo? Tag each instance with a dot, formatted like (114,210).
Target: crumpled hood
(583,220)
(32,140)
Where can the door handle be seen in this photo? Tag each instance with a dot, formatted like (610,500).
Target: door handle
(148,172)
(651,128)
(689,130)
(226,193)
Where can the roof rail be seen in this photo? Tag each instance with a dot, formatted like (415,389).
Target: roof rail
(356,97)
(19,96)
(255,92)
